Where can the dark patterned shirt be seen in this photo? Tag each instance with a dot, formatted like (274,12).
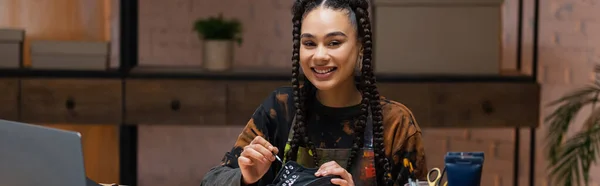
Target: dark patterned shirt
(331,130)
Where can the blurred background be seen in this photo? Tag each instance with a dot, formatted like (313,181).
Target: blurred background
(159,105)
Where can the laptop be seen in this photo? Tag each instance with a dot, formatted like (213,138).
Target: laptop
(32,155)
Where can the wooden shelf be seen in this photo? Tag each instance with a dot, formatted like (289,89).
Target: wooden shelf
(205,102)
(31,73)
(247,74)
(193,96)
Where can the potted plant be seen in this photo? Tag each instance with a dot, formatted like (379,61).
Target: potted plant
(218,36)
(570,158)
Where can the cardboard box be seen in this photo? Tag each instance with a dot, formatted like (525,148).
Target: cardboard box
(11,48)
(69,55)
(438,37)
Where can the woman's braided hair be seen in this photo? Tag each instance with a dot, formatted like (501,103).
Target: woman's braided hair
(357,11)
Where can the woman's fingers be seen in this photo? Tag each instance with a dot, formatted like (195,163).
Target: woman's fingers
(273,149)
(245,161)
(326,166)
(251,153)
(329,163)
(340,172)
(261,141)
(338,181)
(264,151)
(333,168)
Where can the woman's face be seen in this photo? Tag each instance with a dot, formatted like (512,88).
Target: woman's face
(329,48)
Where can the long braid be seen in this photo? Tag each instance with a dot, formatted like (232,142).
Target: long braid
(367,73)
(294,144)
(300,129)
(306,90)
(359,129)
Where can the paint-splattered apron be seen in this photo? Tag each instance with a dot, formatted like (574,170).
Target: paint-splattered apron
(363,169)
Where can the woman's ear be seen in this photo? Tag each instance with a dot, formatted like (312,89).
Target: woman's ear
(360,55)
(360,51)
(359,61)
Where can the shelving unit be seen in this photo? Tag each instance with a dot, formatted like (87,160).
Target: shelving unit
(123,89)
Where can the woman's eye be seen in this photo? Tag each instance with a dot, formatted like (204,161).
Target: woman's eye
(308,43)
(334,43)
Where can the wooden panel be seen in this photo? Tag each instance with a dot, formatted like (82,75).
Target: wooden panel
(9,99)
(483,105)
(71,101)
(156,101)
(475,105)
(244,97)
(57,20)
(100,150)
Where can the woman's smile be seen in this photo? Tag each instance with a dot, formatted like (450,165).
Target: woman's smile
(323,73)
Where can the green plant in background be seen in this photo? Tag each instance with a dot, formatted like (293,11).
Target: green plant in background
(570,158)
(218,28)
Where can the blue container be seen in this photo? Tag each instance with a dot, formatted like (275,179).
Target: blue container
(464,168)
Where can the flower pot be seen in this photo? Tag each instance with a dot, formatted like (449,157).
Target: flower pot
(218,55)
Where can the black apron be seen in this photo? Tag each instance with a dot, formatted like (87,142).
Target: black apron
(363,169)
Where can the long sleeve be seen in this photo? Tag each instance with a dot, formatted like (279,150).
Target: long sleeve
(228,173)
(409,145)
(265,122)
(403,139)
(415,152)
(223,175)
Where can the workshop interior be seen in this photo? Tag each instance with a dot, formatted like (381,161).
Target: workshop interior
(157,92)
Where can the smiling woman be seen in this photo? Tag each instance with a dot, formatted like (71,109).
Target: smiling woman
(336,125)
(330,49)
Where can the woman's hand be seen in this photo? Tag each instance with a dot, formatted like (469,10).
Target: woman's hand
(255,160)
(333,168)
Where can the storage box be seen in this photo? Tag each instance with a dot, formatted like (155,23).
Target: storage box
(11,48)
(69,55)
(439,37)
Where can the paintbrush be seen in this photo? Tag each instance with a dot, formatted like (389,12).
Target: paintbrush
(276,157)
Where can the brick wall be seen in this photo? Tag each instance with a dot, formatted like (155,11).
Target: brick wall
(569,35)
(166,34)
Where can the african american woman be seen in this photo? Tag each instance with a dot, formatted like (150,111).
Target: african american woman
(328,121)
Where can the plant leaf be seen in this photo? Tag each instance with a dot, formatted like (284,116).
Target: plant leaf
(218,28)
(578,94)
(570,162)
(560,120)
(590,122)
(577,156)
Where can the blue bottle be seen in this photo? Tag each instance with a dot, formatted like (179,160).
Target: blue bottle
(464,168)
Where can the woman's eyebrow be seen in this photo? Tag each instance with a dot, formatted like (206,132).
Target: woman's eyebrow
(331,34)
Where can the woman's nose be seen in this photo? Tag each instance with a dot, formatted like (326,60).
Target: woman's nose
(321,54)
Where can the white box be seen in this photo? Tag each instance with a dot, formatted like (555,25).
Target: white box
(11,46)
(69,55)
(438,37)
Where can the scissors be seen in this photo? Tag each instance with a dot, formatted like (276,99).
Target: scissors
(438,178)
